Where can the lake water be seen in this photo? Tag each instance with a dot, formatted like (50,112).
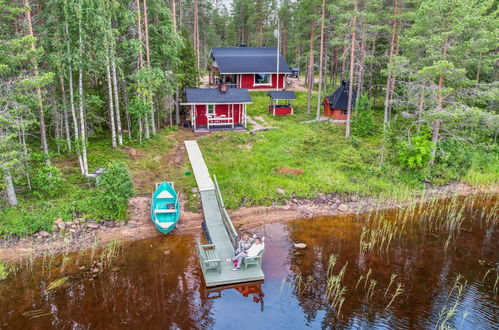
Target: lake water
(157,283)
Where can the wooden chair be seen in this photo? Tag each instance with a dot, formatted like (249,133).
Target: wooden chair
(209,257)
(254,260)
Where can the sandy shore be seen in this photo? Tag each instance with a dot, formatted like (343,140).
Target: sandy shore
(82,235)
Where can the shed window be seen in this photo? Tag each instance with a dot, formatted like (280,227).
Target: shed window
(262,79)
(211,109)
(344,112)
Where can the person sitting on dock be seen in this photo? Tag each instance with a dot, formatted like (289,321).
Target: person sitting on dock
(252,252)
(244,244)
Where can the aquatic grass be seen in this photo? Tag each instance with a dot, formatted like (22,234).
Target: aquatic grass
(392,279)
(302,285)
(449,311)
(110,252)
(371,289)
(335,291)
(398,291)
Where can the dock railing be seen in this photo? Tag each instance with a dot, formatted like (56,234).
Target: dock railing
(225,217)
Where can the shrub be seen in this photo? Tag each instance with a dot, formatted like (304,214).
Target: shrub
(4,271)
(116,187)
(416,152)
(364,125)
(48,181)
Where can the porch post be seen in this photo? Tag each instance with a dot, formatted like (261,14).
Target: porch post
(245,116)
(193,117)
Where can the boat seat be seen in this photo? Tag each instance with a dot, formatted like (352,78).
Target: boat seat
(165,211)
(165,225)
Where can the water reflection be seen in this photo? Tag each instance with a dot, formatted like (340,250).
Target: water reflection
(157,283)
(252,290)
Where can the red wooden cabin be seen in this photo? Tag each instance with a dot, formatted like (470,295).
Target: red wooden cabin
(280,102)
(254,68)
(336,104)
(217,108)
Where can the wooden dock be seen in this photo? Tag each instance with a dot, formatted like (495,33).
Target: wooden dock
(219,229)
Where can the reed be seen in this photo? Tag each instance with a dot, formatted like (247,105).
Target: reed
(392,278)
(335,291)
(371,289)
(110,252)
(55,284)
(398,291)
(449,311)
(302,284)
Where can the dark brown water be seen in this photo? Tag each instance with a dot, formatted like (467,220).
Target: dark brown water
(157,284)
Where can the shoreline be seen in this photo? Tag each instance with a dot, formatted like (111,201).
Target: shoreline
(80,234)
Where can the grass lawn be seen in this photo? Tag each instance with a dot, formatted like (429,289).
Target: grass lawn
(302,160)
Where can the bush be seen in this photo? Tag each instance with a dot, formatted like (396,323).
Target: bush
(116,187)
(48,181)
(415,153)
(364,125)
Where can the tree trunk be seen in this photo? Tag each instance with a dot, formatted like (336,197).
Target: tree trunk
(261,19)
(174,16)
(43,134)
(321,55)
(177,105)
(352,60)
(440,104)
(65,113)
(146,32)
(362,57)
(420,108)
(80,96)
(117,103)
(139,29)
(110,102)
(310,69)
(75,118)
(9,187)
(196,32)
(389,83)
(26,156)
(82,123)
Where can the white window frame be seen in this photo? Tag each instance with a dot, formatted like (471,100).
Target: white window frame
(262,84)
(208,113)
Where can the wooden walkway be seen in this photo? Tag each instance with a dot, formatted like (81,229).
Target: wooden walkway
(219,226)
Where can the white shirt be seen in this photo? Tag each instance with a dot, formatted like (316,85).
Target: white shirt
(255,249)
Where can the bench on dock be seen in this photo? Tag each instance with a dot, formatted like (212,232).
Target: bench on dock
(209,257)
(254,260)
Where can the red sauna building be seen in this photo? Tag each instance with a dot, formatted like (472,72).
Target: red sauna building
(217,108)
(254,68)
(336,104)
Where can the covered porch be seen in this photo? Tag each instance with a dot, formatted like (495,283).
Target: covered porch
(212,109)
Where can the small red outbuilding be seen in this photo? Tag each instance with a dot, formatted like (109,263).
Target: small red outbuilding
(216,108)
(336,104)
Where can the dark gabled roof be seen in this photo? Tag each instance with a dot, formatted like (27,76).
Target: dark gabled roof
(339,99)
(282,95)
(232,60)
(215,96)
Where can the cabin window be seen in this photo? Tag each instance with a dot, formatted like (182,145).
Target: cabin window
(211,109)
(262,79)
(344,112)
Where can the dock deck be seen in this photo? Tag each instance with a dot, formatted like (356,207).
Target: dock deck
(218,225)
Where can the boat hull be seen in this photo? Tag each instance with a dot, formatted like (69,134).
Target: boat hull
(165,208)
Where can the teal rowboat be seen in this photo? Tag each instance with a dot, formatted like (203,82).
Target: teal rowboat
(165,208)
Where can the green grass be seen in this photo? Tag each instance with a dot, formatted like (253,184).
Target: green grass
(247,166)
(77,198)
